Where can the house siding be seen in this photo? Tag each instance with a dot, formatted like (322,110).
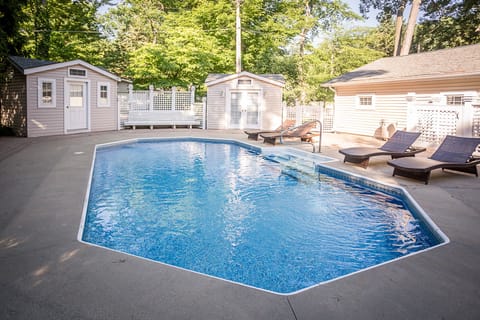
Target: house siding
(216,106)
(51,121)
(391,104)
(45,121)
(103,118)
(270,103)
(13,101)
(273,107)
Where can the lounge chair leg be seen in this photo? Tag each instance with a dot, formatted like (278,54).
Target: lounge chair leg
(365,163)
(422,176)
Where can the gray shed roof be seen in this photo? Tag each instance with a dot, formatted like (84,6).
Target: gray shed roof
(459,61)
(214,78)
(22,63)
(31,66)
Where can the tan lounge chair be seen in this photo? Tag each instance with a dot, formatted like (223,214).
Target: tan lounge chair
(253,134)
(302,132)
(455,153)
(398,146)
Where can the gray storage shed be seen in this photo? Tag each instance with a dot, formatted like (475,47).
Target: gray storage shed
(244,101)
(42,98)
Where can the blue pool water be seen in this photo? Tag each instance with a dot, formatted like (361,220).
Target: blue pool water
(227,211)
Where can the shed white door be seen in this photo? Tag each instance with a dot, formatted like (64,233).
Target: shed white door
(76,106)
(244,110)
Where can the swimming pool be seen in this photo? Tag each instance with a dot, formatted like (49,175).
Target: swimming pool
(268,219)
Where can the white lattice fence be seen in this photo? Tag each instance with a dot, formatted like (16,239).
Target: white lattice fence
(139,100)
(123,108)
(306,113)
(435,122)
(159,100)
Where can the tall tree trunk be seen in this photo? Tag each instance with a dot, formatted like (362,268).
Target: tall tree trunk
(412,21)
(301,63)
(238,38)
(398,28)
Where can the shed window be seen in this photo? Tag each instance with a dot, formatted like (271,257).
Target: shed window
(103,94)
(46,93)
(365,101)
(77,72)
(244,82)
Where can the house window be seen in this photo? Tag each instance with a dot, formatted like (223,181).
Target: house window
(46,93)
(456,100)
(103,94)
(79,73)
(365,101)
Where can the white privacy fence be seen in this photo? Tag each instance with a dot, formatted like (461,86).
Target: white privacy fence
(314,111)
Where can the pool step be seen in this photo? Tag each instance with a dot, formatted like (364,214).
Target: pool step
(298,168)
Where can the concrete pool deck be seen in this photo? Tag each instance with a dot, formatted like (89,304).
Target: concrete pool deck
(46,273)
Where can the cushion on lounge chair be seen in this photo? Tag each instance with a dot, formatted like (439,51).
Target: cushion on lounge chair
(400,141)
(399,145)
(455,149)
(454,153)
(253,134)
(301,131)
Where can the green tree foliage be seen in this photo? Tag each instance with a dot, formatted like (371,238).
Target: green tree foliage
(62,30)
(10,42)
(183,57)
(315,16)
(10,17)
(170,43)
(178,43)
(448,24)
(173,43)
(442,23)
(342,52)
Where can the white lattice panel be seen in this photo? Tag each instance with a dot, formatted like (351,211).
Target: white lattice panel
(162,100)
(183,100)
(311,112)
(476,121)
(436,122)
(139,100)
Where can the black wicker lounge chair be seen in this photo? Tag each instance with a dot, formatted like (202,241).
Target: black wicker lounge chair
(253,134)
(455,153)
(398,146)
(302,133)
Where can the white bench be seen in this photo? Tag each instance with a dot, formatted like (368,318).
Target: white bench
(161,118)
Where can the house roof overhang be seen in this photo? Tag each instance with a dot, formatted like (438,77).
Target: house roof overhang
(436,65)
(336,84)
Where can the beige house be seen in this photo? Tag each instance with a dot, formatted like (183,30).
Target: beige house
(435,92)
(244,101)
(42,98)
